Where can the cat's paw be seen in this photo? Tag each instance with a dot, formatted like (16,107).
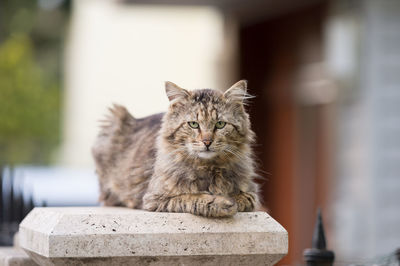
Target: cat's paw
(222,207)
(245,202)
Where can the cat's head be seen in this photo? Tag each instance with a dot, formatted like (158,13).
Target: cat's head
(207,124)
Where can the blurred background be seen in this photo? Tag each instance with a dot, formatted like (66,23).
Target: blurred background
(326,76)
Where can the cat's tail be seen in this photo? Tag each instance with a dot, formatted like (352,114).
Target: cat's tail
(119,115)
(118,123)
(114,137)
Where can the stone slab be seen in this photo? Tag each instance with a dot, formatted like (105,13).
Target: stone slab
(10,256)
(120,236)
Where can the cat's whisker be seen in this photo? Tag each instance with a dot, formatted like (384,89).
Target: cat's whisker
(225,154)
(236,153)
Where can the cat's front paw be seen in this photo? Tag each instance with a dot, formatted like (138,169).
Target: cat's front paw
(222,207)
(245,202)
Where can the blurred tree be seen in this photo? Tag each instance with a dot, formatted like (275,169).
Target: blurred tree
(31,36)
(29,108)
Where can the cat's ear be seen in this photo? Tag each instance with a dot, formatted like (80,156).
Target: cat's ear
(175,93)
(238,92)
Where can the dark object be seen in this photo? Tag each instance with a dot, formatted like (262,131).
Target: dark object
(318,255)
(13,205)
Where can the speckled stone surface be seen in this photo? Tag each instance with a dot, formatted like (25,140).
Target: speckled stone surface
(121,236)
(11,256)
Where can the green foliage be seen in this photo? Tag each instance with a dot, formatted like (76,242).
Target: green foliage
(31,36)
(29,105)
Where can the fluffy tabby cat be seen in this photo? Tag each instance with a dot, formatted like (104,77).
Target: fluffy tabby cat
(195,158)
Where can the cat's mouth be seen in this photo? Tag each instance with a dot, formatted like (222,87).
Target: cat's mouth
(207,154)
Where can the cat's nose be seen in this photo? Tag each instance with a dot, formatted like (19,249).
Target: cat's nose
(207,142)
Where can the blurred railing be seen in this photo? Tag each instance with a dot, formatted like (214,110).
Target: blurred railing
(24,187)
(14,206)
(318,255)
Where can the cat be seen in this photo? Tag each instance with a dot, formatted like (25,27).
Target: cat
(195,158)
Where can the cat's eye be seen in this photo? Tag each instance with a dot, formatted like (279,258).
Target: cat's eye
(193,124)
(220,124)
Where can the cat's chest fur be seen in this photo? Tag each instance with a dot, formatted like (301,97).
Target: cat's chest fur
(214,180)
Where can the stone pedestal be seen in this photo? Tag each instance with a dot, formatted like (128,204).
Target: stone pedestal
(12,256)
(121,236)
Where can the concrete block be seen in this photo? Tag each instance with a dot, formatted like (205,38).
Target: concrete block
(11,256)
(121,236)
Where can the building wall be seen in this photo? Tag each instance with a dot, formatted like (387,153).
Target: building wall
(123,53)
(367,199)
